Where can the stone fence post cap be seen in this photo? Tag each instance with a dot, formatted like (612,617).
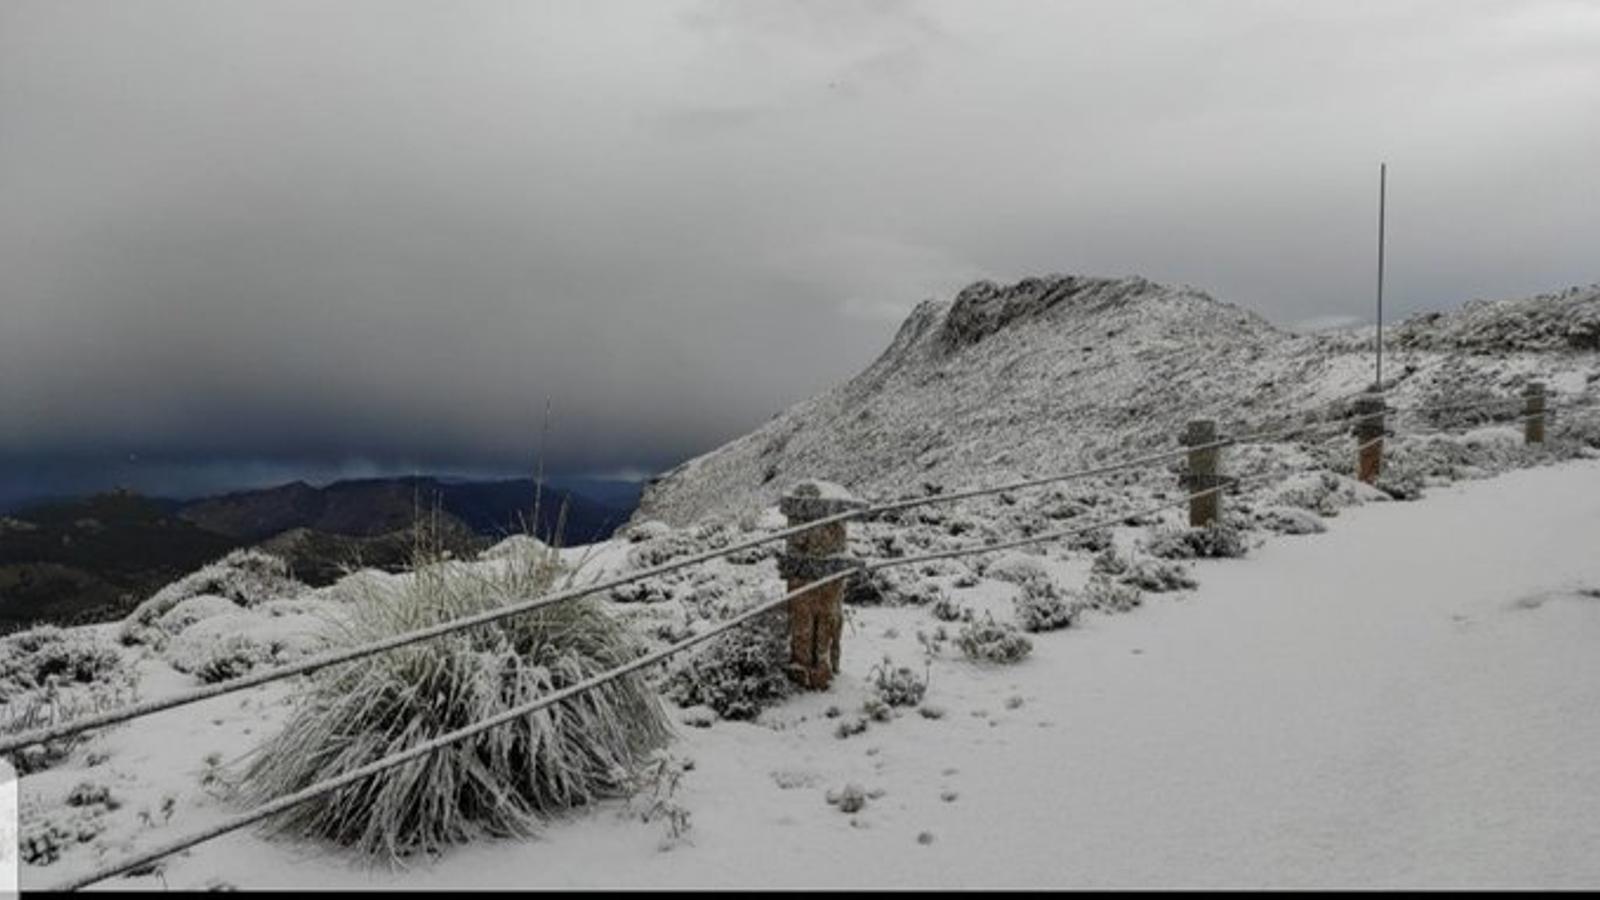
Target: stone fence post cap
(817,499)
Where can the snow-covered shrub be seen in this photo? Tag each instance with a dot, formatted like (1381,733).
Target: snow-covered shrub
(850,800)
(30,659)
(873,588)
(1214,541)
(1290,520)
(891,587)
(1104,594)
(919,593)
(515,547)
(1159,577)
(1109,562)
(193,610)
(661,547)
(991,641)
(89,793)
(648,530)
(55,703)
(243,577)
(229,645)
(737,674)
(1093,541)
(234,656)
(500,782)
(1400,483)
(946,609)
(897,685)
(850,728)
(750,556)
(1324,493)
(1018,568)
(648,590)
(1041,607)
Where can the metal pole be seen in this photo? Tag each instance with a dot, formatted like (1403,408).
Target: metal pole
(1383,178)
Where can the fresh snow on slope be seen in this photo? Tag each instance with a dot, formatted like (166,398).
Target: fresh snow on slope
(1409,699)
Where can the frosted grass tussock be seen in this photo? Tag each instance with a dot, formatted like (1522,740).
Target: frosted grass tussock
(499,783)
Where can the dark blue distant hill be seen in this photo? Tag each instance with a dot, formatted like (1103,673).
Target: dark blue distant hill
(372,506)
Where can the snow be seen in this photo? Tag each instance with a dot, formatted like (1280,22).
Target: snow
(1411,698)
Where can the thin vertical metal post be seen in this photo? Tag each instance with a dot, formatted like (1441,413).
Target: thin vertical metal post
(1383,179)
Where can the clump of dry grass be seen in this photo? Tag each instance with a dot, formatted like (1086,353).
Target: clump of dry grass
(502,782)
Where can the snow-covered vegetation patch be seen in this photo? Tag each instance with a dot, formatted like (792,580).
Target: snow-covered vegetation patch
(1106,595)
(994,642)
(516,546)
(898,685)
(737,674)
(229,645)
(30,660)
(1290,520)
(244,578)
(50,675)
(1215,541)
(194,609)
(1041,606)
(1158,576)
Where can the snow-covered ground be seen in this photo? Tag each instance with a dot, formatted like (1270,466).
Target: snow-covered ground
(1411,698)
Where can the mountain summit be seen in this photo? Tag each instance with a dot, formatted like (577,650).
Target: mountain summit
(1006,381)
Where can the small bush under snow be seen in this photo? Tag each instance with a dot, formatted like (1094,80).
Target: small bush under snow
(898,685)
(193,610)
(29,660)
(737,674)
(991,641)
(1214,541)
(229,645)
(243,577)
(1157,576)
(1107,595)
(1291,520)
(1018,568)
(1040,606)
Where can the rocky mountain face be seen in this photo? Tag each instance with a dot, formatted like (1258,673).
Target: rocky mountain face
(1050,373)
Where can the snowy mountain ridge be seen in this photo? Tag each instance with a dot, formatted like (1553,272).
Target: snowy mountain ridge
(1006,381)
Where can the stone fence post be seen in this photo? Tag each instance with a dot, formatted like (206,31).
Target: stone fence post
(816,618)
(1533,412)
(1202,474)
(1369,430)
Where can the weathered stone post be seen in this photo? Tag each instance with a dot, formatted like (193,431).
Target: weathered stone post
(1369,429)
(1533,413)
(1202,473)
(816,618)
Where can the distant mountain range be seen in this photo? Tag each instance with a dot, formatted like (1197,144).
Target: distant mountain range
(92,559)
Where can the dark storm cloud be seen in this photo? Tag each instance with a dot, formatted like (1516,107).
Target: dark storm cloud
(380,235)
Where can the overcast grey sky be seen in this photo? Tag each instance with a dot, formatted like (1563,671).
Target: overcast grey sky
(256,238)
